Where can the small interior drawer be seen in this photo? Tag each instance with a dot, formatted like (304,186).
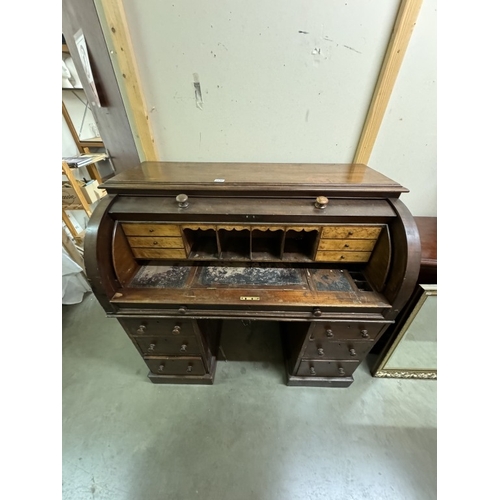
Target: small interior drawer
(323,256)
(354,232)
(347,245)
(159,253)
(168,365)
(160,327)
(147,229)
(155,242)
(325,368)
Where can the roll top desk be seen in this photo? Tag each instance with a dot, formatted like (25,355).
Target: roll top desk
(328,251)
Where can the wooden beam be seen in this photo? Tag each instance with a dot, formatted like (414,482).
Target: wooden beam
(400,37)
(118,27)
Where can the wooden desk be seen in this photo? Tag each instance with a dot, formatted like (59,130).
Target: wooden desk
(329,251)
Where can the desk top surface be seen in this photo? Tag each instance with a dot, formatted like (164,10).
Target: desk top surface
(241,178)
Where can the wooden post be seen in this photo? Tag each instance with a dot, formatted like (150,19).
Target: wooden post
(117,23)
(401,34)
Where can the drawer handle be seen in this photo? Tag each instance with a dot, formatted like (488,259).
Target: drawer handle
(346,246)
(176,330)
(350,233)
(364,334)
(151,230)
(321,352)
(155,243)
(184,347)
(160,368)
(183,309)
(317,312)
(189,368)
(312,371)
(329,333)
(341,372)
(151,347)
(141,329)
(352,352)
(342,257)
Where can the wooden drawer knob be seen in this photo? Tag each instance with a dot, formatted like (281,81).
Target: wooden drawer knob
(321,352)
(176,330)
(161,367)
(346,246)
(321,202)
(341,372)
(189,368)
(151,230)
(182,200)
(350,233)
(141,329)
(155,243)
(151,347)
(184,347)
(364,334)
(312,371)
(329,333)
(317,312)
(183,309)
(352,352)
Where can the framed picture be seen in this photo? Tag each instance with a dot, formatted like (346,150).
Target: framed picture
(413,354)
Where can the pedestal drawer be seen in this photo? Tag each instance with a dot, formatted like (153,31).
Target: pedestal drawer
(337,350)
(167,365)
(180,345)
(351,330)
(163,327)
(324,368)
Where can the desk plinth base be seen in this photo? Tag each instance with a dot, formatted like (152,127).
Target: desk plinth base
(295,381)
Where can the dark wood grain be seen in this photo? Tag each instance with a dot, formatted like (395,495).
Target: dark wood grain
(405,243)
(378,267)
(316,179)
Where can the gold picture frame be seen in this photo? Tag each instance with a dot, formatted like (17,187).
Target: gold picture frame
(413,354)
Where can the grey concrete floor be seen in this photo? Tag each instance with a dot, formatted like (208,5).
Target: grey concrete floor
(246,437)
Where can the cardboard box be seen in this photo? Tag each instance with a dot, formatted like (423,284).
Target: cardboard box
(90,192)
(69,196)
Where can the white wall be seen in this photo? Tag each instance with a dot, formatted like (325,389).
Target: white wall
(273,94)
(406,147)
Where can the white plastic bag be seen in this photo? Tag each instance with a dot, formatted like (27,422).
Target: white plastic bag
(74,284)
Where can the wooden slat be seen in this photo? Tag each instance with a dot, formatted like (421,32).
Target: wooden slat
(117,22)
(78,190)
(401,34)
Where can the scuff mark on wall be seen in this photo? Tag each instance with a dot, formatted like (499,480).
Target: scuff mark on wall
(304,32)
(350,48)
(197,91)
(307,116)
